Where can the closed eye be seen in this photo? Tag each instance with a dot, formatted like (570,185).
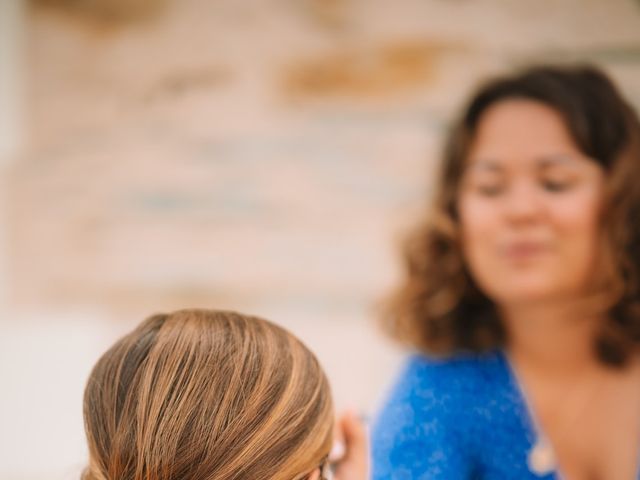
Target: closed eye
(556,186)
(489,190)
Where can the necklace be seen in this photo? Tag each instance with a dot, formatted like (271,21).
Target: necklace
(542,458)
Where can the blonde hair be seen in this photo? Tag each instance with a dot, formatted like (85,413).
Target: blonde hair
(202,394)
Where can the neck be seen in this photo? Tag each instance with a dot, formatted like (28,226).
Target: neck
(551,337)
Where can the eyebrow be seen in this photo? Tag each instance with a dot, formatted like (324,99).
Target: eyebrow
(557,159)
(493,165)
(484,164)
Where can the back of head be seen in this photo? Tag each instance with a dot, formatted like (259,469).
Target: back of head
(198,395)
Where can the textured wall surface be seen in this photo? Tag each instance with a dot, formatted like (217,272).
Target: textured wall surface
(258,153)
(261,156)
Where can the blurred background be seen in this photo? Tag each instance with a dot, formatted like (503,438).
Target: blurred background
(262,156)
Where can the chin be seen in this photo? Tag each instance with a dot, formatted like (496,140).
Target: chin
(521,293)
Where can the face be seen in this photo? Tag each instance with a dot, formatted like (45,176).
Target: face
(529,206)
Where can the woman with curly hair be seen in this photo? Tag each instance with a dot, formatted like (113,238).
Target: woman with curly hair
(521,296)
(213,395)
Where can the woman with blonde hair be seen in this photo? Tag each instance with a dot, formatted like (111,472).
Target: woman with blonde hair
(213,395)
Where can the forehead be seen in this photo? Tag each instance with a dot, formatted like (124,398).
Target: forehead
(519,129)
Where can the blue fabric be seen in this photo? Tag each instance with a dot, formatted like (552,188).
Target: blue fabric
(455,419)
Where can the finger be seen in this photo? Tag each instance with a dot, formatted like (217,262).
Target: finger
(355,436)
(338,448)
(355,462)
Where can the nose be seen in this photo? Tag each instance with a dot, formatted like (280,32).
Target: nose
(523,203)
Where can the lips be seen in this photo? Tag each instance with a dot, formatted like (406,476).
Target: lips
(524,250)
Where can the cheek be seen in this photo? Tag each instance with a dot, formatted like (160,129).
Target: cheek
(577,226)
(479,225)
(579,221)
(577,217)
(478,221)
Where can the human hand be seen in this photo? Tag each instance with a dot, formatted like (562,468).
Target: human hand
(350,456)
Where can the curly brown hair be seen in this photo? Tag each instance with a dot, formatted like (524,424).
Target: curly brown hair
(438,308)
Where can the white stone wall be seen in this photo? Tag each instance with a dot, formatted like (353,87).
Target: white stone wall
(258,153)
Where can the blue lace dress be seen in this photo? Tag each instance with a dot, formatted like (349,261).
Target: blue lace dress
(456,419)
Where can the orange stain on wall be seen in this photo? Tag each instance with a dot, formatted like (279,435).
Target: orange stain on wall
(379,71)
